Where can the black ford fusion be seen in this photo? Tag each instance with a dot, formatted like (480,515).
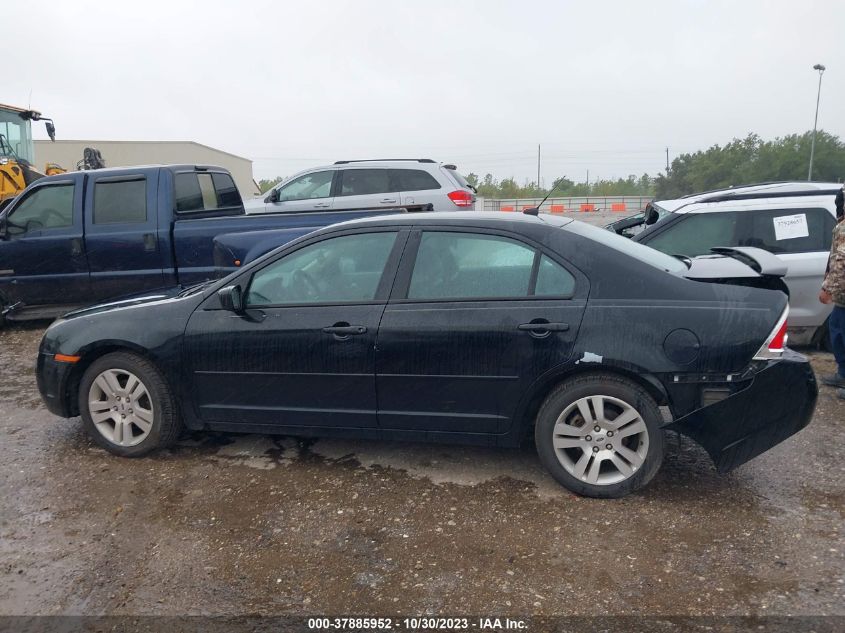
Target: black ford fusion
(458,328)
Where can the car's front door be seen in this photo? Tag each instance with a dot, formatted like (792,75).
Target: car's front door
(42,255)
(310,192)
(303,352)
(475,318)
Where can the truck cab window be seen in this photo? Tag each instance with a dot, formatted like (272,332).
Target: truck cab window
(205,192)
(120,202)
(49,207)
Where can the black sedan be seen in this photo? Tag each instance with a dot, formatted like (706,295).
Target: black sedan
(459,328)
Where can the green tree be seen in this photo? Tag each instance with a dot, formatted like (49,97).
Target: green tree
(266,185)
(751,160)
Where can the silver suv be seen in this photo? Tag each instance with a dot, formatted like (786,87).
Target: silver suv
(415,184)
(793,220)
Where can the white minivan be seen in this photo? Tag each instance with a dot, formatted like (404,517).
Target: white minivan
(793,220)
(414,184)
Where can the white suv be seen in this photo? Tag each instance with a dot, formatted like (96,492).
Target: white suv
(793,220)
(415,184)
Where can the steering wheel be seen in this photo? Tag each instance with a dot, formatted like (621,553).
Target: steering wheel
(304,284)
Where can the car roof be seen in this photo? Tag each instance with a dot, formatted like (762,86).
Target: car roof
(396,163)
(459,218)
(753,196)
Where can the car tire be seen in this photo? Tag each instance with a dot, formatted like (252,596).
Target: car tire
(127,406)
(622,457)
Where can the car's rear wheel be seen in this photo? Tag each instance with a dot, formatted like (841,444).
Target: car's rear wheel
(599,435)
(127,406)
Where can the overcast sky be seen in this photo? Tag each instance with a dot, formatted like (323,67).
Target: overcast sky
(604,86)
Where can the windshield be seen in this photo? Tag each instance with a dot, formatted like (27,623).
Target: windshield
(634,249)
(16,141)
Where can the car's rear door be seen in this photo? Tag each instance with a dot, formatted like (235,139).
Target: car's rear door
(367,188)
(475,318)
(303,353)
(122,233)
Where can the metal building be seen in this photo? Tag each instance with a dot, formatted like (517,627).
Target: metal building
(127,153)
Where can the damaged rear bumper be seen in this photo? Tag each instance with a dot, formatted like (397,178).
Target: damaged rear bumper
(777,402)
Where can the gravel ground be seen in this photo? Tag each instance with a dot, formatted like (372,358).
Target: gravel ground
(231,524)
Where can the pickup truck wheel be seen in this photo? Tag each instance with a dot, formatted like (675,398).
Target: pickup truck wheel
(127,406)
(599,435)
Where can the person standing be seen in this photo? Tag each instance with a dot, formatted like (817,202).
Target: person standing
(840,203)
(833,291)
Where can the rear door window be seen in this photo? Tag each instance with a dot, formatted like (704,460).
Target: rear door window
(121,201)
(470,266)
(364,182)
(553,280)
(789,231)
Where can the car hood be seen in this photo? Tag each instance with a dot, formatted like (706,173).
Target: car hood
(158,295)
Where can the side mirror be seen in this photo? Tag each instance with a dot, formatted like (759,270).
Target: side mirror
(273,197)
(51,130)
(231,298)
(4,228)
(651,215)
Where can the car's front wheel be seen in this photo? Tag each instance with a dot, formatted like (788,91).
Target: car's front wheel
(127,406)
(599,435)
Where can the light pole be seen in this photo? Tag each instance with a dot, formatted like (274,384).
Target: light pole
(821,69)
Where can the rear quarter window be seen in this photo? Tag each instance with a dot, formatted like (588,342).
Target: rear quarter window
(415,180)
(198,192)
(789,231)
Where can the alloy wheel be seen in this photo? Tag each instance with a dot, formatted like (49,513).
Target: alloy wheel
(121,407)
(601,440)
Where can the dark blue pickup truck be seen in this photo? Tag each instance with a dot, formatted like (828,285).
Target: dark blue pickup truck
(83,237)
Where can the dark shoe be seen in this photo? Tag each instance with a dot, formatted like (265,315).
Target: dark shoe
(833,380)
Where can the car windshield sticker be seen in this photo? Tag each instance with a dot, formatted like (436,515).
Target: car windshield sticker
(788,227)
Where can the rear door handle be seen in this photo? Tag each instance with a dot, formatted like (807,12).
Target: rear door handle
(345,330)
(540,327)
(76,246)
(149,242)
(388,200)
(322,205)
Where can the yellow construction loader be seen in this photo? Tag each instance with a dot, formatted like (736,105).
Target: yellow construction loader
(17,151)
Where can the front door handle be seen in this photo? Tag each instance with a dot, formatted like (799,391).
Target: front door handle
(322,205)
(344,330)
(76,246)
(388,201)
(541,328)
